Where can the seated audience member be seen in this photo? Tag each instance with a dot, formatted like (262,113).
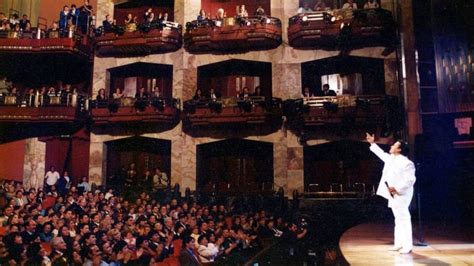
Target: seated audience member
(130,23)
(349,5)
(207,251)
(101,96)
(3,18)
(327,92)
(371,4)
(320,6)
(148,14)
(245,93)
(259,11)
(202,16)
(14,21)
(305,8)
(307,93)
(187,255)
(165,17)
(53,31)
(156,93)
(220,15)
(213,95)
(242,12)
(198,95)
(25,23)
(107,24)
(257,91)
(84,185)
(141,94)
(117,94)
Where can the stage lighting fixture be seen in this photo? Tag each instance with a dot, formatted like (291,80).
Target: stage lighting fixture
(218,23)
(304,18)
(248,23)
(268,21)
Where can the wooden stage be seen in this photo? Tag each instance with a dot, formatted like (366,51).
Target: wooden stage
(368,244)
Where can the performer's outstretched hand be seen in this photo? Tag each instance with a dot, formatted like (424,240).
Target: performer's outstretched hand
(370,138)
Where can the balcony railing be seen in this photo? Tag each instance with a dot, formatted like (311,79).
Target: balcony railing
(161,112)
(232,34)
(157,38)
(255,110)
(342,29)
(336,110)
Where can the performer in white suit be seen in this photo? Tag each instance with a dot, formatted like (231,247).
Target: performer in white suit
(396,185)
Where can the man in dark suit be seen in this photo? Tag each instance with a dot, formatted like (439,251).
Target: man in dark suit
(187,255)
(327,92)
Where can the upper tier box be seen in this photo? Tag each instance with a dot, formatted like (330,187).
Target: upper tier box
(342,29)
(142,41)
(231,35)
(50,43)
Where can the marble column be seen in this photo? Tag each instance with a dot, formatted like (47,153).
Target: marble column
(34,163)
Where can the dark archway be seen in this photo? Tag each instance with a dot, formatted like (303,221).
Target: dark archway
(234,166)
(342,162)
(354,75)
(229,77)
(132,77)
(146,153)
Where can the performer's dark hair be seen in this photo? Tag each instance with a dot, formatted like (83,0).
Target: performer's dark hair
(404,148)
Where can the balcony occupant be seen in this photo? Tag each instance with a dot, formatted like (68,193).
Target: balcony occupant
(107,24)
(85,16)
(349,5)
(220,14)
(305,8)
(245,94)
(202,16)
(327,92)
(160,180)
(141,94)
(148,14)
(198,96)
(307,93)
(242,12)
(259,11)
(73,16)
(371,4)
(321,6)
(130,23)
(101,96)
(14,20)
(63,18)
(157,92)
(117,94)
(213,95)
(25,23)
(257,91)
(53,31)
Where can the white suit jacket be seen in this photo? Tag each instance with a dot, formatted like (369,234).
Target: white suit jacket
(398,172)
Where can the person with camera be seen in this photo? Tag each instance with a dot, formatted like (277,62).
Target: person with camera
(293,234)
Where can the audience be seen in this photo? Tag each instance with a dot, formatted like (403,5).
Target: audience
(349,5)
(86,227)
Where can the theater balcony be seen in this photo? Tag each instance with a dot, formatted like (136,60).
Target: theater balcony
(343,112)
(164,38)
(232,35)
(342,29)
(129,115)
(255,111)
(38,116)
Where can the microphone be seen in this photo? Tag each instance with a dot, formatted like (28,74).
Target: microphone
(386,183)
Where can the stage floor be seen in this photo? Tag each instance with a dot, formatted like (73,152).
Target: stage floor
(367,244)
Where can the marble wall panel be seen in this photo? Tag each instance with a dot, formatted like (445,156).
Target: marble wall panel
(34,163)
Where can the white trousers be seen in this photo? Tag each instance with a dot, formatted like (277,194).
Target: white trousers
(403,232)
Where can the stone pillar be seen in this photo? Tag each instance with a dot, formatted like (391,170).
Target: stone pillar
(412,103)
(34,163)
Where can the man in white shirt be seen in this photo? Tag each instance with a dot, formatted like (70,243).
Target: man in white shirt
(207,251)
(396,185)
(51,178)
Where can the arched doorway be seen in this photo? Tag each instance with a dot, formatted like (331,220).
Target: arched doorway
(234,166)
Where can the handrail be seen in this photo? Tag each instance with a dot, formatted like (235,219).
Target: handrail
(157,102)
(39,100)
(243,21)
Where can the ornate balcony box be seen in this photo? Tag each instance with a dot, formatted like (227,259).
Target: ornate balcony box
(154,41)
(342,28)
(232,35)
